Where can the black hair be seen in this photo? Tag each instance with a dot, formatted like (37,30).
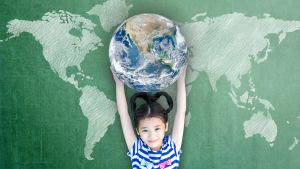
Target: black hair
(151,108)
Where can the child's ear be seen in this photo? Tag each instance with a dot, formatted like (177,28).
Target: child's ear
(167,126)
(137,131)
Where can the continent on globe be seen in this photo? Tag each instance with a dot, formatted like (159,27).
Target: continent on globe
(147,52)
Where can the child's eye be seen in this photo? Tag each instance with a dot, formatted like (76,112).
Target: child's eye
(157,129)
(144,131)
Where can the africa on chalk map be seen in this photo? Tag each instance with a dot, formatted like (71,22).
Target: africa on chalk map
(227,46)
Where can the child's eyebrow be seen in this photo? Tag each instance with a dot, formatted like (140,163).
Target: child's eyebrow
(157,125)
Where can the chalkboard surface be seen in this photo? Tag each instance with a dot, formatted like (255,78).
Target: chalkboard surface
(57,94)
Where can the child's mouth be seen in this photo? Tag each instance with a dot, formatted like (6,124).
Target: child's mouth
(152,141)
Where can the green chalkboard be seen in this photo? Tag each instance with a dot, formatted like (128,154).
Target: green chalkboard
(57,94)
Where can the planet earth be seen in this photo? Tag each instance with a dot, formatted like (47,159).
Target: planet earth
(147,52)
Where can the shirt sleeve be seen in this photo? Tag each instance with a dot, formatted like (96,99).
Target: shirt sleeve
(173,145)
(134,148)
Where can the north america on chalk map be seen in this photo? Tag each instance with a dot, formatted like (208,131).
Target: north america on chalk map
(218,46)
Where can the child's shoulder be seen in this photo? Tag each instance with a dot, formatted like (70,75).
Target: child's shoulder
(168,140)
(138,144)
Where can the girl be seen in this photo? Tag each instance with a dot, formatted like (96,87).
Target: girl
(151,148)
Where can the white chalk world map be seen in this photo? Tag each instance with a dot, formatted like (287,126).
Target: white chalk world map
(226,45)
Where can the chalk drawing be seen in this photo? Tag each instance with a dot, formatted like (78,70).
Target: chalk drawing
(227,45)
(195,18)
(62,50)
(261,124)
(111,13)
(187,119)
(100,113)
(294,144)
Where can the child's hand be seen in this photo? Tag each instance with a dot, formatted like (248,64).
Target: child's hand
(117,81)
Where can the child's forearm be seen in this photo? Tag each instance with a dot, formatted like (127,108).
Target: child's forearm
(179,119)
(124,116)
(181,97)
(121,99)
(180,107)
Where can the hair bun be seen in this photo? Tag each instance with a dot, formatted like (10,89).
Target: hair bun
(133,99)
(168,98)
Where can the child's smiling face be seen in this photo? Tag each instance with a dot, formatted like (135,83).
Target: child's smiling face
(152,131)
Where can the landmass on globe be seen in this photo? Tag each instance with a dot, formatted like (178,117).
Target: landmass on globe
(147,52)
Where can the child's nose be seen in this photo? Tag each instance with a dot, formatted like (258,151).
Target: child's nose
(152,134)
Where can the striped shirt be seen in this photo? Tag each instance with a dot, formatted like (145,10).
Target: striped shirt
(143,157)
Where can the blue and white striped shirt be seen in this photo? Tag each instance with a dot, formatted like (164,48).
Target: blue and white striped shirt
(143,157)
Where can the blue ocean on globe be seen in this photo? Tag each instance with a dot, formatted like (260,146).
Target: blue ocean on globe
(147,52)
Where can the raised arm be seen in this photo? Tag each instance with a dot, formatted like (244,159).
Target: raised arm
(179,119)
(127,127)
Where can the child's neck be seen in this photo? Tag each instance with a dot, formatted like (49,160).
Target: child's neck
(156,148)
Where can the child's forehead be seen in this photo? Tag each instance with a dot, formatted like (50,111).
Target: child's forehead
(150,121)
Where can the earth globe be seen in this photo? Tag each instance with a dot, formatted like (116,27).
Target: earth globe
(147,52)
